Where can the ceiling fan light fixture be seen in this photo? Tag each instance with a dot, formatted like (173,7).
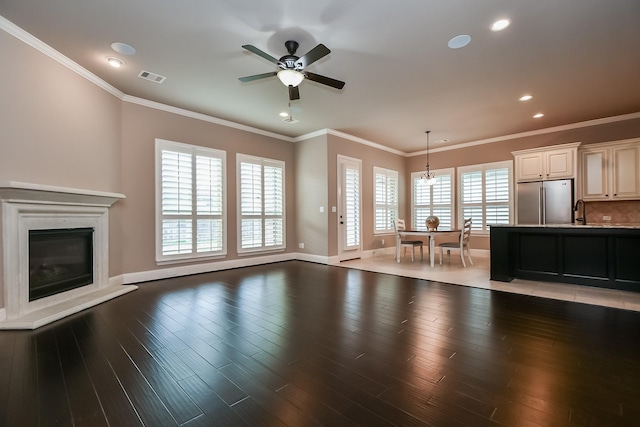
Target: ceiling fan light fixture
(290,77)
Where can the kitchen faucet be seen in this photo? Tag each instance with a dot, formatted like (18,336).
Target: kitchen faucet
(580,212)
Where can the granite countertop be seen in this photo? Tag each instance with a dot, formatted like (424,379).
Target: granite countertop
(593,225)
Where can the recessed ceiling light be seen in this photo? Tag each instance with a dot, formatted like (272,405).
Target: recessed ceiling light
(500,25)
(459,41)
(525,97)
(284,114)
(123,48)
(537,116)
(115,62)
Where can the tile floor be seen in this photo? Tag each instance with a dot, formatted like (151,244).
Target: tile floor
(477,275)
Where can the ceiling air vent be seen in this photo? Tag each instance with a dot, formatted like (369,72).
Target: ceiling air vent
(152,77)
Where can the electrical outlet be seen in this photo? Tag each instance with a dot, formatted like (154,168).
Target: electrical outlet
(383,241)
(606,218)
(301,245)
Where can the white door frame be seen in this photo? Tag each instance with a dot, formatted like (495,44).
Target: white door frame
(346,251)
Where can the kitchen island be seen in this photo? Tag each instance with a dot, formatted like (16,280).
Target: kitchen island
(602,255)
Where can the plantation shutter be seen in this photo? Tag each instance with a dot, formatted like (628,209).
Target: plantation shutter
(273,206)
(250,205)
(442,198)
(352,207)
(209,204)
(497,196)
(485,195)
(177,228)
(386,200)
(191,201)
(472,198)
(436,199)
(261,196)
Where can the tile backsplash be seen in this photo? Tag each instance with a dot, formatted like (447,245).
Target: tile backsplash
(621,212)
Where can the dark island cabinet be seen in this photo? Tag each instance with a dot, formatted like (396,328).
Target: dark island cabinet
(601,256)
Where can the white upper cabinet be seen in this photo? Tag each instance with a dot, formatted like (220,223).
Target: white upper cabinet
(554,162)
(594,171)
(610,171)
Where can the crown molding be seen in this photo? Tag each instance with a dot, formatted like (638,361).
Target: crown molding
(346,136)
(365,142)
(41,46)
(203,117)
(595,122)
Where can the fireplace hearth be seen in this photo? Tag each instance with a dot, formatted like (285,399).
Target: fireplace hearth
(55,253)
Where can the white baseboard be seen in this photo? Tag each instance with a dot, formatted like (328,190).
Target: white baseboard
(186,270)
(177,271)
(319,259)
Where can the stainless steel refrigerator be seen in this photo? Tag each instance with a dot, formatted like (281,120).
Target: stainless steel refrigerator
(545,202)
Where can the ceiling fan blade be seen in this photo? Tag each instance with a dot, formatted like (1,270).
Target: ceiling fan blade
(324,80)
(258,52)
(294,93)
(257,76)
(313,55)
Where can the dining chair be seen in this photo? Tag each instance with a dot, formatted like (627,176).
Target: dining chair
(399,225)
(462,244)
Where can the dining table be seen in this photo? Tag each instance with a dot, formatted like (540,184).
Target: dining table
(431,234)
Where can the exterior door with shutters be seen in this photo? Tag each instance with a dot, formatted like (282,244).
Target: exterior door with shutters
(349,208)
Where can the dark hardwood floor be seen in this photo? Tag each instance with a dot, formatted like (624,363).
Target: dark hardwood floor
(303,344)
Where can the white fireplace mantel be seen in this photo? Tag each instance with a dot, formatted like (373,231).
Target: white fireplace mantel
(48,194)
(31,207)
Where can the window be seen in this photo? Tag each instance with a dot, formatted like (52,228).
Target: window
(485,194)
(190,201)
(434,199)
(386,200)
(261,224)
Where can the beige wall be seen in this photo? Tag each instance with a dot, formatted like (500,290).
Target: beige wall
(370,157)
(140,127)
(57,128)
(312,194)
(499,151)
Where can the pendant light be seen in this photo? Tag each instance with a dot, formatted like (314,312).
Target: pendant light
(428,177)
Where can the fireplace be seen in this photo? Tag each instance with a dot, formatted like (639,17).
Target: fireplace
(59,260)
(54,258)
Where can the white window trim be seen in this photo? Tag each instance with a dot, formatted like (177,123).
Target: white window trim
(262,161)
(161,144)
(508,164)
(452,201)
(391,174)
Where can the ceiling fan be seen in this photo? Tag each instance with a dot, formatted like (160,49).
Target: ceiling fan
(292,68)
